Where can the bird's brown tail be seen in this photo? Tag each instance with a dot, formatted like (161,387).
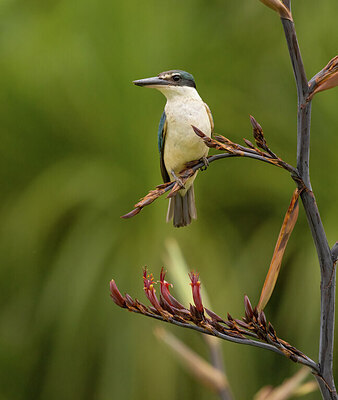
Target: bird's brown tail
(182,209)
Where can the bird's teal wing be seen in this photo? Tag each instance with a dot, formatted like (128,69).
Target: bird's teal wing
(210,117)
(162,130)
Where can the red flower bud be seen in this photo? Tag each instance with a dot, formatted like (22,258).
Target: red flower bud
(116,295)
(166,292)
(196,290)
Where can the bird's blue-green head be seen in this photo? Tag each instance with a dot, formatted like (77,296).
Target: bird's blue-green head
(174,78)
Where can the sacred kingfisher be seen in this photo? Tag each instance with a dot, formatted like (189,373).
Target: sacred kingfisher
(177,142)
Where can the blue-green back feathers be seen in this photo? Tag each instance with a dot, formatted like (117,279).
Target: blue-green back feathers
(162,129)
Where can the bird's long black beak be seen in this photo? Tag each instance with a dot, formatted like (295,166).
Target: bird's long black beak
(151,82)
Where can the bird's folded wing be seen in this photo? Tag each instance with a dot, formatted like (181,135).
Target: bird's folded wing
(210,118)
(162,130)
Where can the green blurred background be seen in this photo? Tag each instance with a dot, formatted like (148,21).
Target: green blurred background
(79,147)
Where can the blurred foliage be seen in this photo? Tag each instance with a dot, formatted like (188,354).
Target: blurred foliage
(78,148)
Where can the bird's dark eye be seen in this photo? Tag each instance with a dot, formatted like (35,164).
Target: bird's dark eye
(176,78)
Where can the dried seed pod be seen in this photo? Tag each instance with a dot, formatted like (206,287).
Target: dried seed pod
(154,311)
(262,319)
(182,312)
(141,307)
(258,134)
(243,324)
(248,143)
(248,308)
(271,330)
(326,79)
(129,301)
(213,315)
(279,7)
(217,326)
(166,306)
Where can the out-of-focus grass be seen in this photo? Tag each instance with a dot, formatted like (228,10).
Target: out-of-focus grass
(78,148)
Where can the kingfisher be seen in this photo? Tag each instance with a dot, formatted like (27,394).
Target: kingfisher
(177,142)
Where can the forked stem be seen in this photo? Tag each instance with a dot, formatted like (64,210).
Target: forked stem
(325,377)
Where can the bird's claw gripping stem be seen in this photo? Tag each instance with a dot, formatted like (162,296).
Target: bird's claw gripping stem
(177,180)
(205,162)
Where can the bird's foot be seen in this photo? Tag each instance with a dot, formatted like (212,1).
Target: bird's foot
(177,180)
(206,163)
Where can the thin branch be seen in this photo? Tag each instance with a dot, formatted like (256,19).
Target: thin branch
(198,318)
(304,109)
(231,149)
(324,254)
(334,252)
(166,187)
(301,360)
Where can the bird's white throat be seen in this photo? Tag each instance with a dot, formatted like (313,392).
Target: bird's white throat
(181,92)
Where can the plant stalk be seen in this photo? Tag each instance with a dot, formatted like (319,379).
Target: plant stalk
(325,377)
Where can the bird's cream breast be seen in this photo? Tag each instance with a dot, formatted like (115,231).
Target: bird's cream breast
(181,142)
